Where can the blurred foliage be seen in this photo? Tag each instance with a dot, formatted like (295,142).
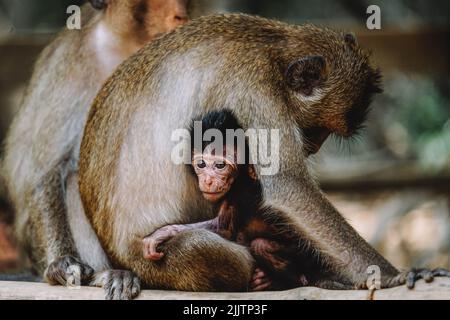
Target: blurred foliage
(418,120)
(409,122)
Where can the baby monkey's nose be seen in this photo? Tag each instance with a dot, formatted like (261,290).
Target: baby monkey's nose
(181,19)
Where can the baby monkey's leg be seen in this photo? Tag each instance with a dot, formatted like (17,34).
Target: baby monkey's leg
(275,271)
(264,250)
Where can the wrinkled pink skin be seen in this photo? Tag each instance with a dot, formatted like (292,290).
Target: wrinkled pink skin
(151,242)
(216,175)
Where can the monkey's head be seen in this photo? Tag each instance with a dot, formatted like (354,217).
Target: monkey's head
(328,83)
(217,166)
(145,19)
(216,174)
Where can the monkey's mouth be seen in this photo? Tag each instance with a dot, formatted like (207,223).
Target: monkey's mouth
(213,196)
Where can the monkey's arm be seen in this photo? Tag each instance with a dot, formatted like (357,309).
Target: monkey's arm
(164,234)
(293,194)
(223,225)
(338,245)
(49,214)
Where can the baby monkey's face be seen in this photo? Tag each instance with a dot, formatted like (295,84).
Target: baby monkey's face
(216,175)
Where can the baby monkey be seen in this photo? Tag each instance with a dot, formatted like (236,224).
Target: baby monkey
(235,191)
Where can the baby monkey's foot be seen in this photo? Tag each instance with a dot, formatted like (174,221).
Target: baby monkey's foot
(153,241)
(267,250)
(260,281)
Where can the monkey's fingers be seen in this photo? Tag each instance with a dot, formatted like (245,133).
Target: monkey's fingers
(302,281)
(151,251)
(411,279)
(68,270)
(440,272)
(260,281)
(260,284)
(258,274)
(263,286)
(425,274)
(154,256)
(150,248)
(118,284)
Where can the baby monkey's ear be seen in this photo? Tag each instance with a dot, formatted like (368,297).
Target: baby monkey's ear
(252,172)
(305,74)
(350,40)
(99,4)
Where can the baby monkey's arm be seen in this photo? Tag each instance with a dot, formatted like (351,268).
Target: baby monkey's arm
(221,225)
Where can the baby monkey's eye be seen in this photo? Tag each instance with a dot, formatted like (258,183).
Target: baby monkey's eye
(201,164)
(220,165)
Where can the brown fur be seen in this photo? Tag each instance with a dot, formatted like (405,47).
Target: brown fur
(130,187)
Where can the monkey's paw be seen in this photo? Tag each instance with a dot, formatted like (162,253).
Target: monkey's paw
(260,281)
(151,243)
(410,277)
(68,271)
(267,250)
(118,284)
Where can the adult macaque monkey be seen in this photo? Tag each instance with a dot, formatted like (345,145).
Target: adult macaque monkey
(40,164)
(305,81)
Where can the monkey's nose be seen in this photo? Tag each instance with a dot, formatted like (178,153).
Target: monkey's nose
(181,19)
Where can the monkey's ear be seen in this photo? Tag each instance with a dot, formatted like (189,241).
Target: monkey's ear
(350,40)
(306,74)
(99,4)
(252,173)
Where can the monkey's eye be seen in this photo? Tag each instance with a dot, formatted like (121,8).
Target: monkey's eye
(220,165)
(201,164)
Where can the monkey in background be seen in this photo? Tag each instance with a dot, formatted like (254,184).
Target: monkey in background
(306,81)
(234,190)
(41,153)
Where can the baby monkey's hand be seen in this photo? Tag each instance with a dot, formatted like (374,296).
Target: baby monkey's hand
(151,242)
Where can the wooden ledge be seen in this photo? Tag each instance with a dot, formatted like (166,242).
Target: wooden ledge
(439,289)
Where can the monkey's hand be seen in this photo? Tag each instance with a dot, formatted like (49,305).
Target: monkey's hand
(151,242)
(260,281)
(266,250)
(118,284)
(410,277)
(68,271)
